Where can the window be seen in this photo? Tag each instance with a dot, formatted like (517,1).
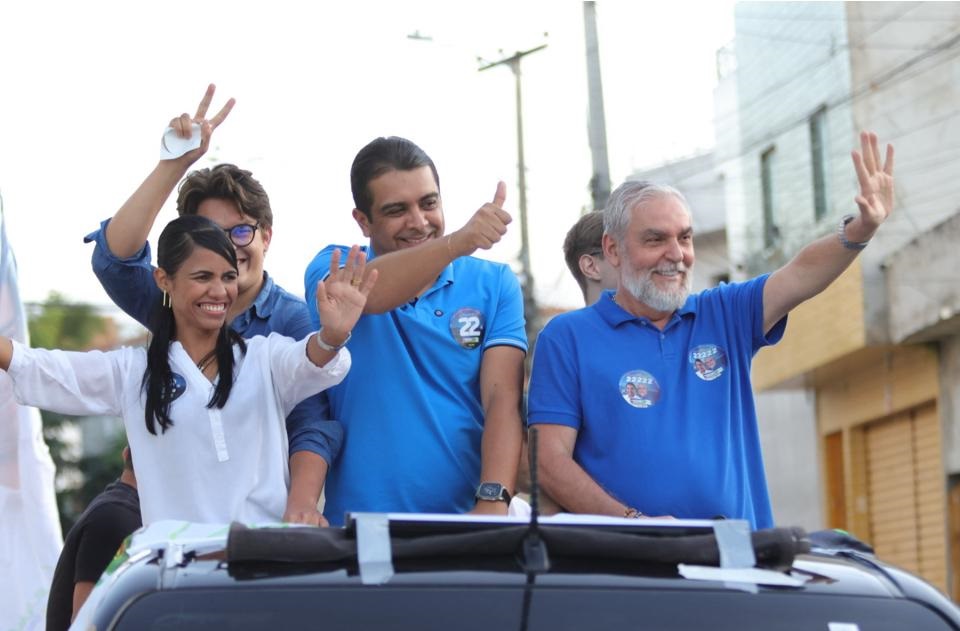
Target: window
(770,232)
(818,161)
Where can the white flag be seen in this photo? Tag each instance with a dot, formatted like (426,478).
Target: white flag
(30,537)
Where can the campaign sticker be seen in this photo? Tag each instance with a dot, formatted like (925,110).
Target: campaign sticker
(708,361)
(467,327)
(177,385)
(639,388)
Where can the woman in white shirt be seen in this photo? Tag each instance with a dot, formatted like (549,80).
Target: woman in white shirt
(203,409)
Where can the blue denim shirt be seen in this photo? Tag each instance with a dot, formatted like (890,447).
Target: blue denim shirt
(129,283)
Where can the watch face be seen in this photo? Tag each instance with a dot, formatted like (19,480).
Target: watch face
(489,491)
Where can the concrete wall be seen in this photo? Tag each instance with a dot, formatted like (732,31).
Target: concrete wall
(727,157)
(922,285)
(700,182)
(791,61)
(905,72)
(949,404)
(906,86)
(789,64)
(893,68)
(712,260)
(788,436)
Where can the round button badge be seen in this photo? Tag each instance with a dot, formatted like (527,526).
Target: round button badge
(467,327)
(639,388)
(708,361)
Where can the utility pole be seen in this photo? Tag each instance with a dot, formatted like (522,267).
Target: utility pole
(596,126)
(531,311)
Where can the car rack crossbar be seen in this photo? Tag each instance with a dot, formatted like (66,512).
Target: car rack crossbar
(774,548)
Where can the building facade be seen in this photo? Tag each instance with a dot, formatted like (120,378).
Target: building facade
(877,355)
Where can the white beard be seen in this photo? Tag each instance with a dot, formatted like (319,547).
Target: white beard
(643,288)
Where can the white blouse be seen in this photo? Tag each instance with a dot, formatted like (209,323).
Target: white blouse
(212,465)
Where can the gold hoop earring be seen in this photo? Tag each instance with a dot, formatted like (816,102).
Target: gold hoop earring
(166,301)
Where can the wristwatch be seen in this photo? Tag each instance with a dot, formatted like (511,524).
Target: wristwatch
(492,492)
(842,235)
(327,347)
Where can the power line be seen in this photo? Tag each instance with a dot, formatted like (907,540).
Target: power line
(832,44)
(843,35)
(841,46)
(880,80)
(898,17)
(912,6)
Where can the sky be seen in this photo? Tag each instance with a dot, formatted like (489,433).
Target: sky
(87,89)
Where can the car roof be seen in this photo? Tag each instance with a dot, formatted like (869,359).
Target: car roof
(443,552)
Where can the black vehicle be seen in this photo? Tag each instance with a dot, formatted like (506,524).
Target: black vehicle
(427,572)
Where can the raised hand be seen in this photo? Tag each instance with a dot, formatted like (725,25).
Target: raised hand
(876,186)
(485,228)
(342,296)
(182,125)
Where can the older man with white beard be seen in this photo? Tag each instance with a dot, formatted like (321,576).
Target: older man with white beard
(643,400)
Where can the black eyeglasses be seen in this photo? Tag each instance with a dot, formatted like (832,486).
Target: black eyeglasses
(242,233)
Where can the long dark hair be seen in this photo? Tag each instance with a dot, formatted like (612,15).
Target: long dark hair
(177,242)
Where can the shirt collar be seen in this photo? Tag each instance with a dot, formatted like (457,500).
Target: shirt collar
(615,315)
(262,304)
(446,277)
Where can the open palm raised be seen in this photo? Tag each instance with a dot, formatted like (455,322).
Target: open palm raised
(876,183)
(343,295)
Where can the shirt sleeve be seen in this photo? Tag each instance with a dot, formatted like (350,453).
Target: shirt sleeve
(775,334)
(128,281)
(69,382)
(747,297)
(309,426)
(508,326)
(554,393)
(318,270)
(295,377)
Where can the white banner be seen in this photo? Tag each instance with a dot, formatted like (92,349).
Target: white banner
(30,537)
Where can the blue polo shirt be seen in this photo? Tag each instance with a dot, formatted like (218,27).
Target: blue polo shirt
(666,419)
(129,283)
(410,405)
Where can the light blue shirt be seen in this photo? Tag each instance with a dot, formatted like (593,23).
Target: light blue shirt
(410,405)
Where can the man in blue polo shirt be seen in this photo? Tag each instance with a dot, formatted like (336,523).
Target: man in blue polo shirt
(643,401)
(431,407)
(232,198)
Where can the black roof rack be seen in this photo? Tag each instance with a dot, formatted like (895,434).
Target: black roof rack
(432,536)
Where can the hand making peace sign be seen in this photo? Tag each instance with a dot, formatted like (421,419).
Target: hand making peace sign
(183,125)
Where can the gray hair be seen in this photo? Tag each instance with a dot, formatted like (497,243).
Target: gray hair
(616,214)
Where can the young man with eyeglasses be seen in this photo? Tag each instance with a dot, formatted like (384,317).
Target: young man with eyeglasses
(234,200)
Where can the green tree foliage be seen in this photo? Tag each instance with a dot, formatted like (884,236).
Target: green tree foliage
(63,324)
(71,326)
